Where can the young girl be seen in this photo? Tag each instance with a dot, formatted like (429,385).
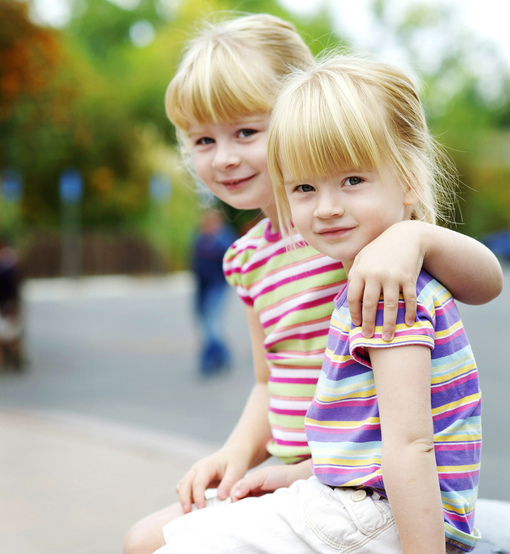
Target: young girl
(394,427)
(220,102)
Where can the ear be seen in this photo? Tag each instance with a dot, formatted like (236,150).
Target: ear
(410,196)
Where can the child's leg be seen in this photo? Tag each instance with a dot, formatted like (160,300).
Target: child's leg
(146,535)
(307,517)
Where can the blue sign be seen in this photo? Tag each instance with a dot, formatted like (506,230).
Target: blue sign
(160,187)
(71,186)
(12,187)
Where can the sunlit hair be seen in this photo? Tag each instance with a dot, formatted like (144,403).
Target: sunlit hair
(350,113)
(232,69)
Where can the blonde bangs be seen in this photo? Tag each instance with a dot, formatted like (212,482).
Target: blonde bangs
(220,85)
(315,136)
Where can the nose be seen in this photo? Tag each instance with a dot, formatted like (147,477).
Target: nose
(225,156)
(328,206)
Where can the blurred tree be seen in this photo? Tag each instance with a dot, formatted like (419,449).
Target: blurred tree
(90,95)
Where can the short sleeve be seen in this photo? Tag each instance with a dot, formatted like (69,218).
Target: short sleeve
(237,265)
(422,333)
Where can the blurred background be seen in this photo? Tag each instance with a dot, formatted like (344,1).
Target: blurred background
(90,179)
(102,407)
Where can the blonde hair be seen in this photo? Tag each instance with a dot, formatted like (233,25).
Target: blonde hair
(232,69)
(352,113)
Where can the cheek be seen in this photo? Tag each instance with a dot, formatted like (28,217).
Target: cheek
(202,167)
(301,218)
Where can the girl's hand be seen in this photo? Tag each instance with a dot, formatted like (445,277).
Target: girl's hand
(389,265)
(270,478)
(222,469)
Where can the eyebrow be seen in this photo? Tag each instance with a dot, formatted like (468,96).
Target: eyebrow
(292,182)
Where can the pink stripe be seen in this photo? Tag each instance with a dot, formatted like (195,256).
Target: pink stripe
(370,401)
(454,382)
(298,307)
(451,337)
(461,408)
(298,277)
(299,336)
(468,445)
(343,431)
(445,307)
(263,261)
(293,381)
(463,475)
(288,412)
(290,443)
(459,517)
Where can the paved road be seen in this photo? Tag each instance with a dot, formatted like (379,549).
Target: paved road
(111,362)
(123,349)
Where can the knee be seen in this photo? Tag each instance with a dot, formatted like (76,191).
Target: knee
(146,536)
(137,540)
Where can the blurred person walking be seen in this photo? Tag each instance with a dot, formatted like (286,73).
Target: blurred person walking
(211,242)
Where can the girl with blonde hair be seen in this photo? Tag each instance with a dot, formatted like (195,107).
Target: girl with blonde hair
(220,102)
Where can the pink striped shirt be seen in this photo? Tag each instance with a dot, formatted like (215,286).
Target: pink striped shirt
(292,292)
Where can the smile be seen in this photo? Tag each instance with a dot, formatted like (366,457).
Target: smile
(233,184)
(333,233)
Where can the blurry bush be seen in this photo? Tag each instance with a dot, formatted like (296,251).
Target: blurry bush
(89,95)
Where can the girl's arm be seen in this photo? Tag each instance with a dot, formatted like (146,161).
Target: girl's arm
(245,447)
(391,263)
(402,381)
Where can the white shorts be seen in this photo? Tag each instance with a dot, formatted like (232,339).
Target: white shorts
(307,517)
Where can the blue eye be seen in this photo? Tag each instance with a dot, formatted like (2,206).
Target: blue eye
(245,133)
(204,140)
(305,188)
(351,181)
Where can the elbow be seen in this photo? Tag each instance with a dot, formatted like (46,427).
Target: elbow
(486,291)
(423,445)
(414,446)
(492,288)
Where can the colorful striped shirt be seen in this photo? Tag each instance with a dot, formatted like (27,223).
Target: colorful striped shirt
(292,292)
(342,424)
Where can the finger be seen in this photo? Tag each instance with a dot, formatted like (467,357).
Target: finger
(371,297)
(390,312)
(409,294)
(355,297)
(198,489)
(233,475)
(184,492)
(239,490)
(246,486)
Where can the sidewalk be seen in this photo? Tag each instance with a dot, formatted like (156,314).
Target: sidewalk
(74,485)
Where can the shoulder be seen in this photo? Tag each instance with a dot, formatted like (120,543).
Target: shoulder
(243,249)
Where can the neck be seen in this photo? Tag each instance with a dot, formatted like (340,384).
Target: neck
(347,265)
(272,214)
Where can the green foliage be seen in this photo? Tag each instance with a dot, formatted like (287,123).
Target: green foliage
(87,96)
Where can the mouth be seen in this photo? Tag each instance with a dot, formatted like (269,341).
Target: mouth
(233,184)
(333,233)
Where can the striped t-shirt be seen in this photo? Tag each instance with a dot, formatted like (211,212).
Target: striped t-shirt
(292,292)
(342,424)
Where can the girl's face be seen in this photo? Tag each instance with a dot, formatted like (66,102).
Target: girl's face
(341,214)
(231,159)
